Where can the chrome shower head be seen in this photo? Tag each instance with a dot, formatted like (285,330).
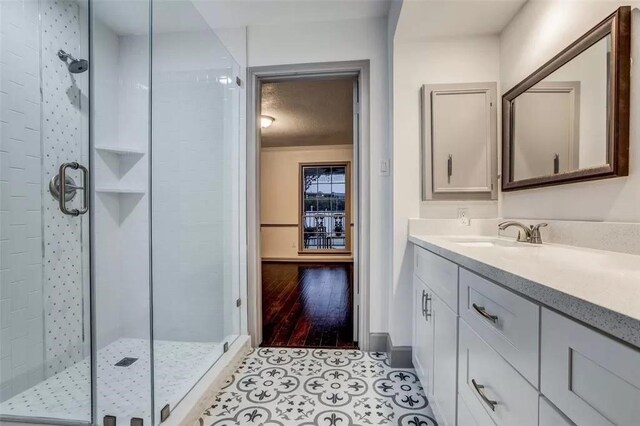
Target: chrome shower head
(74,65)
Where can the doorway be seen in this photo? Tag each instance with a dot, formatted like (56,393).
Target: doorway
(306,252)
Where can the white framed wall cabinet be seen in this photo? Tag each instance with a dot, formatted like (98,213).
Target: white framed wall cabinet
(459,141)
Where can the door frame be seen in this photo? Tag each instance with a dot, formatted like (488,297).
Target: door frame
(361,194)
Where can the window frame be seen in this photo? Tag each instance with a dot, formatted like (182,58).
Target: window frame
(347,209)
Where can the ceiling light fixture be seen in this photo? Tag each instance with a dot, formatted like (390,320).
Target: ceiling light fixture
(266,121)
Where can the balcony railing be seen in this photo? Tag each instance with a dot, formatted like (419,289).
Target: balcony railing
(324,230)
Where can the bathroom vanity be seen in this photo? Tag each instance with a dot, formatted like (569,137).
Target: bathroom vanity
(510,333)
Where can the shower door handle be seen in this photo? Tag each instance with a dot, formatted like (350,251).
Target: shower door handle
(84,188)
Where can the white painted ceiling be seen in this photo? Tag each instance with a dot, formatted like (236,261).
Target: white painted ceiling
(240,13)
(436,19)
(127,17)
(308,112)
(131,17)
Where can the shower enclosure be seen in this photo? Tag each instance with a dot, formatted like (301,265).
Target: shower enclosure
(119,201)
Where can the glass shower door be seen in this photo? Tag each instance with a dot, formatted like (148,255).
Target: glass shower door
(195,128)
(120,132)
(45,354)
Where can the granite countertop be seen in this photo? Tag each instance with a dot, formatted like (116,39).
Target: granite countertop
(599,288)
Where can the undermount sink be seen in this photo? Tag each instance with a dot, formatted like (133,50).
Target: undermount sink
(476,243)
(486,242)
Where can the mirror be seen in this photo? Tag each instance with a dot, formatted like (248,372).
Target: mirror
(569,120)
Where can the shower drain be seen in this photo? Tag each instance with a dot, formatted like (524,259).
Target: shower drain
(126,362)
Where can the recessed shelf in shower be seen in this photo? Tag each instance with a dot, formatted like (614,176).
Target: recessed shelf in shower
(123,190)
(121,151)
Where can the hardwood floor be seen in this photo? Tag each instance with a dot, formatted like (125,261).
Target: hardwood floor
(307,305)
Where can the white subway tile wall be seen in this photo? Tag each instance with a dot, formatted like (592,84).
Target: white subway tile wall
(40,249)
(21,295)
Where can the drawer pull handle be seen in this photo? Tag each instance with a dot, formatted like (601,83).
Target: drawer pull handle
(424,305)
(482,311)
(490,403)
(427,299)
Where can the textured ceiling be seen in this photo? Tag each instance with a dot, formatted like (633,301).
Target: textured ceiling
(308,112)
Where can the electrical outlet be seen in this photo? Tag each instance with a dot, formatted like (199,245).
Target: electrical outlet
(463,217)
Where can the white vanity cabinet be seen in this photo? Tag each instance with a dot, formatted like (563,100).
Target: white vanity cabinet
(487,355)
(435,332)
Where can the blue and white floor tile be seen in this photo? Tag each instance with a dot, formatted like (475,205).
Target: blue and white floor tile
(319,387)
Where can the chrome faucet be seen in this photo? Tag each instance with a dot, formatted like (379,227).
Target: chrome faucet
(527,234)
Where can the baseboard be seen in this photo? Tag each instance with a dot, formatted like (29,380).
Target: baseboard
(378,342)
(399,356)
(201,396)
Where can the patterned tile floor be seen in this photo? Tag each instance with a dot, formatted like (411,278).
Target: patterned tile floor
(319,387)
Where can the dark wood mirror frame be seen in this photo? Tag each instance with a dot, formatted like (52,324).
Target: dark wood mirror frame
(618,25)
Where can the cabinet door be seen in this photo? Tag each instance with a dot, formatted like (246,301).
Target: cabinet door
(422,334)
(592,379)
(460,121)
(445,364)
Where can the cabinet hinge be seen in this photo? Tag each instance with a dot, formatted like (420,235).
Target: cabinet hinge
(238,302)
(238,81)
(225,347)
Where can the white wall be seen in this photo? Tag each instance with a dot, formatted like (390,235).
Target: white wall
(280,197)
(590,69)
(21,289)
(538,32)
(107,248)
(195,161)
(415,63)
(121,239)
(346,41)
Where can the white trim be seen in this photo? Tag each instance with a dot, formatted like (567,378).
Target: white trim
(200,396)
(360,171)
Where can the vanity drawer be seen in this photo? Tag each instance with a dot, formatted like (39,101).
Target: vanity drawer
(508,322)
(550,416)
(591,378)
(465,416)
(516,400)
(439,274)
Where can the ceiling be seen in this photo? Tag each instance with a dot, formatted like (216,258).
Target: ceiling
(436,19)
(240,13)
(308,112)
(132,17)
(126,17)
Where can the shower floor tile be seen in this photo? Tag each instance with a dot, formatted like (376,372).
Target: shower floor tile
(123,391)
(319,387)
